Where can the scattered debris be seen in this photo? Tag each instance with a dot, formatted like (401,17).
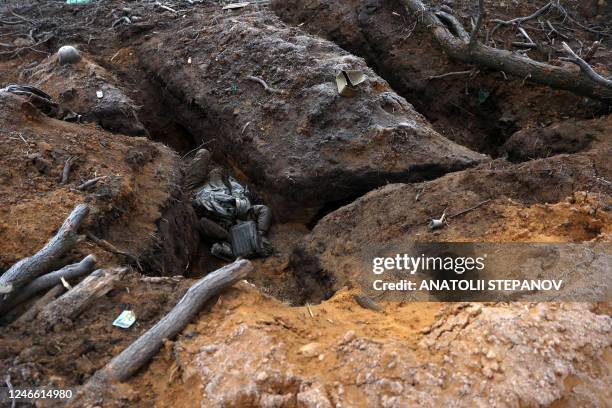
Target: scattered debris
(347,82)
(125,320)
(438,223)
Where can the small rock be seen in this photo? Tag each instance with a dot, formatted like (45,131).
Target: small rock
(349,336)
(487,372)
(211,348)
(310,350)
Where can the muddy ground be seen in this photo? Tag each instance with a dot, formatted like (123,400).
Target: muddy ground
(344,177)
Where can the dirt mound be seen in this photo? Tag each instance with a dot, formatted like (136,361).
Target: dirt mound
(89,90)
(137,206)
(493,105)
(418,354)
(297,140)
(393,214)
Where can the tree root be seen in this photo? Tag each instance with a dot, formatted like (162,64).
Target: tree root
(457,45)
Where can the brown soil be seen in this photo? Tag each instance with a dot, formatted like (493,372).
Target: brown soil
(294,335)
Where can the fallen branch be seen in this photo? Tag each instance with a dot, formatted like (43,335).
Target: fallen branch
(264,84)
(71,304)
(144,348)
(457,46)
(49,280)
(32,267)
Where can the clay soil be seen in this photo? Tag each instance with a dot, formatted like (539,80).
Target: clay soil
(293,334)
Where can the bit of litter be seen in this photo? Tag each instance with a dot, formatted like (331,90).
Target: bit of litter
(125,320)
(236,5)
(99,94)
(189,60)
(347,82)
(439,223)
(73,2)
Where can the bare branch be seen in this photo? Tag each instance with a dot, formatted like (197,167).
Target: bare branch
(481,13)
(586,68)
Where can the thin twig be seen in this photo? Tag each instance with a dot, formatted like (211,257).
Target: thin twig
(158,4)
(467,72)
(309,310)
(517,20)
(469,209)
(586,68)
(264,84)
(481,12)
(197,148)
(527,37)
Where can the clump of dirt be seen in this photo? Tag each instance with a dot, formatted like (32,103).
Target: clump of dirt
(88,89)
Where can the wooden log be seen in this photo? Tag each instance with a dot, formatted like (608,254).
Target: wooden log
(71,304)
(33,311)
(144,348)
(32,267)
(49,280)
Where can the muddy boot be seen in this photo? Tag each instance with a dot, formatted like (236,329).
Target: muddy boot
(197,171)
(266,248)
(222,250)
(263,217)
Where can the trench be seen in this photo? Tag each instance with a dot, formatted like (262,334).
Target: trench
(163,114)
(471,114)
